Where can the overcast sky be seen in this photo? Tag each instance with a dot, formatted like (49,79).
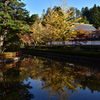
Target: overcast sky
(37,6)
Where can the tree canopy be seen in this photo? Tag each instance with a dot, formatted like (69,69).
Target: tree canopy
(12,19)
(92,15)
(62,24)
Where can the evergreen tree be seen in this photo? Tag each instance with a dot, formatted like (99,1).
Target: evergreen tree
(98,8)
(95,16)
(82,10)
(84,20)
(34,18)
(86,12)
(78,13)
(12,18)
(92,15)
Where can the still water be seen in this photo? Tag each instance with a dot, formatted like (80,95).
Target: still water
(38,78)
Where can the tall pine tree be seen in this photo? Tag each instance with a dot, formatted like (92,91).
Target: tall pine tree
(12,18)
(95,16)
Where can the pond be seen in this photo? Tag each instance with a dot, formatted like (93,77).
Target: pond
(39,78)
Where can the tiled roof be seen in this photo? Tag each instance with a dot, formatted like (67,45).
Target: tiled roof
(85,27)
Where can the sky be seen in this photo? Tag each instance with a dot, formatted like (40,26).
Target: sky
(37,6)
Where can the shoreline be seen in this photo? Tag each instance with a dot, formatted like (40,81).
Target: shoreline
(11,60)
(77,59)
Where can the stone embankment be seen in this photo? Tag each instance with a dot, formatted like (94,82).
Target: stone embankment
(10,57)
(11,60)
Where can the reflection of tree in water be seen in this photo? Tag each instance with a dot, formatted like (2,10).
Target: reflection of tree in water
(58,78)
(12,87)
(87,78)
(11,65)
(55,77)
(93,85)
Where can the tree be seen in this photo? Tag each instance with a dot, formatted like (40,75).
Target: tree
(72,14)
(34,18)
(62,25)
(27,38)
(12,16)
(94,16)
(58,10)
(37,29)
(81,34)
(84,20)
(78,13)
(50,29)
(49,35)
(86,12)
(48,12)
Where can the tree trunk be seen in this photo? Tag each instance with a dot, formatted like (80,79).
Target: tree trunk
(4,32)
(64,42)
(2,41)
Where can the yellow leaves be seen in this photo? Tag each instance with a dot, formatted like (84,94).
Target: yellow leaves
(80,85)
(48,68)
(64,23)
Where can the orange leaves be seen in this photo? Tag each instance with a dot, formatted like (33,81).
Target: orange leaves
(81,34)
(27,37)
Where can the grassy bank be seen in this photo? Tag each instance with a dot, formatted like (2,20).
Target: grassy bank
(67,51)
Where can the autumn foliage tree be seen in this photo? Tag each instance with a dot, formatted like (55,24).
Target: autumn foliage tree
(81,35)
(37,29)
(34,36)
(62,25)
(27,37)
(51,30)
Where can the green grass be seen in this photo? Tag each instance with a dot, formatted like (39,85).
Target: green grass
(71,52)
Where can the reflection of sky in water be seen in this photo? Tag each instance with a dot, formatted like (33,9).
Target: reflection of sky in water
(85,95)
(38,93)
(42,95)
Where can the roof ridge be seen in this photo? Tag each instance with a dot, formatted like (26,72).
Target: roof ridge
(85,24)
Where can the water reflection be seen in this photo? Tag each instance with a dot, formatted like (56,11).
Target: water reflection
(12,86)
(60,79)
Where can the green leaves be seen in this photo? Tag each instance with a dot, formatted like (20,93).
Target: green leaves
(92,15)
(12,18)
